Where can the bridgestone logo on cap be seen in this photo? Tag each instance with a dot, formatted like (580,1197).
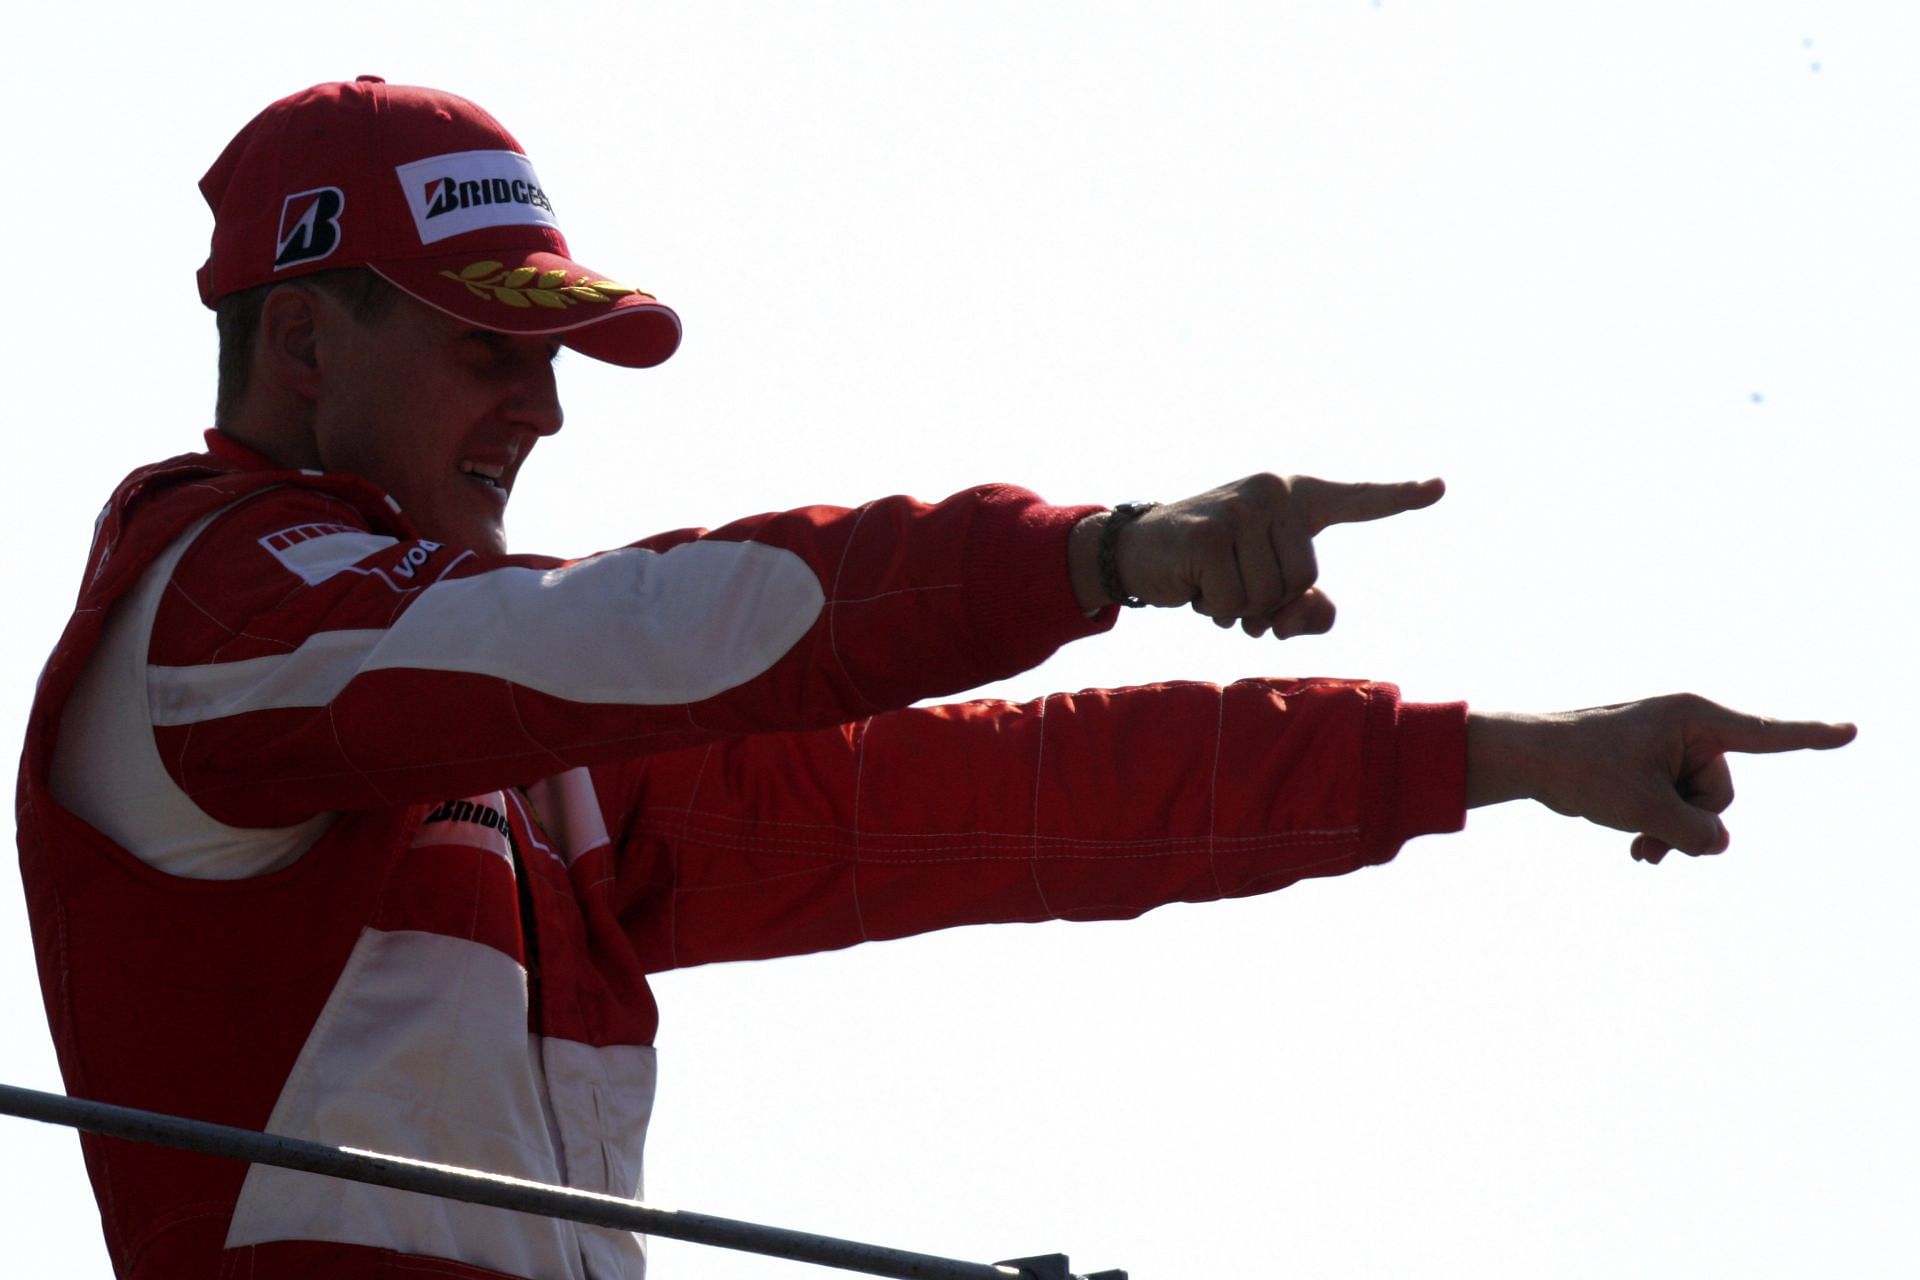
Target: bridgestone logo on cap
(309,226)
(468,190)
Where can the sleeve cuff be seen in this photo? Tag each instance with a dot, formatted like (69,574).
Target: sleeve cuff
(1421,787)
(1019,592)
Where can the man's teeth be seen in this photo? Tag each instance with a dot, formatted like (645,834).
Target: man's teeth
(490,475)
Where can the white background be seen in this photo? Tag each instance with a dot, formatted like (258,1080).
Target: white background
(1639,279)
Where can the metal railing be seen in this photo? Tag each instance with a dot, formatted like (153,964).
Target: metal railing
(476,1187)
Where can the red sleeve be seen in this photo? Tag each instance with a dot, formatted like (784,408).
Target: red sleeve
(301,662)
(1095,805)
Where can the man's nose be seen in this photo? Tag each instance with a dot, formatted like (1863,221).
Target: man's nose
(537,406)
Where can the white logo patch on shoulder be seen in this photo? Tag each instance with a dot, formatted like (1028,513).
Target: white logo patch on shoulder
(315,552)
(467,190)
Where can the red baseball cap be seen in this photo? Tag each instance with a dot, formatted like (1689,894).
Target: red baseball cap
(433,194)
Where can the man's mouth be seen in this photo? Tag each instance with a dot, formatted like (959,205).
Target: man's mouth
(484,474)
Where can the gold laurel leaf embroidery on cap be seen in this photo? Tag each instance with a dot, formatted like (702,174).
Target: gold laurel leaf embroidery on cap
(512,287)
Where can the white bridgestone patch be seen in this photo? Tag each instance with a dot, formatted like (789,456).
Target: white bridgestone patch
(466,190)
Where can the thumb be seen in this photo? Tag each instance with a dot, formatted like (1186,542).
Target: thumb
(1688,828)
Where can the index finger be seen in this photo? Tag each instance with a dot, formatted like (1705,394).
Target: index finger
(1760,735)
(1327,502)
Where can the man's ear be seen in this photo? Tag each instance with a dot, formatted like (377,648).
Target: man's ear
(288,349)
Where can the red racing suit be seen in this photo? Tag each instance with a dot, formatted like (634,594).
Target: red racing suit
(331,830)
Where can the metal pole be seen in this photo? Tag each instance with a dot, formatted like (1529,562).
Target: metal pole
(501,1192)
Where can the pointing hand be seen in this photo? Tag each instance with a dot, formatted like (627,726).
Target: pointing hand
(1240,553)
(1657,767)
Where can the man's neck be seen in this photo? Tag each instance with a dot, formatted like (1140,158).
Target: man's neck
(281,432)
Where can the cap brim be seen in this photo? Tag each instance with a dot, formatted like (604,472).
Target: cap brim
(540,292)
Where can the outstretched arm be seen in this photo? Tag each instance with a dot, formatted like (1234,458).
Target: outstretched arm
(1094,805)
(1656,767)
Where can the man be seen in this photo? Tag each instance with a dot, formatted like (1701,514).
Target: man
(338,820)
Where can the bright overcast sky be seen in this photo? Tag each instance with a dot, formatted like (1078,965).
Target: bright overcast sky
(1639,279)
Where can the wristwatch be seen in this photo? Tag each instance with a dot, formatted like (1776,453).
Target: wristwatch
(1123,514)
